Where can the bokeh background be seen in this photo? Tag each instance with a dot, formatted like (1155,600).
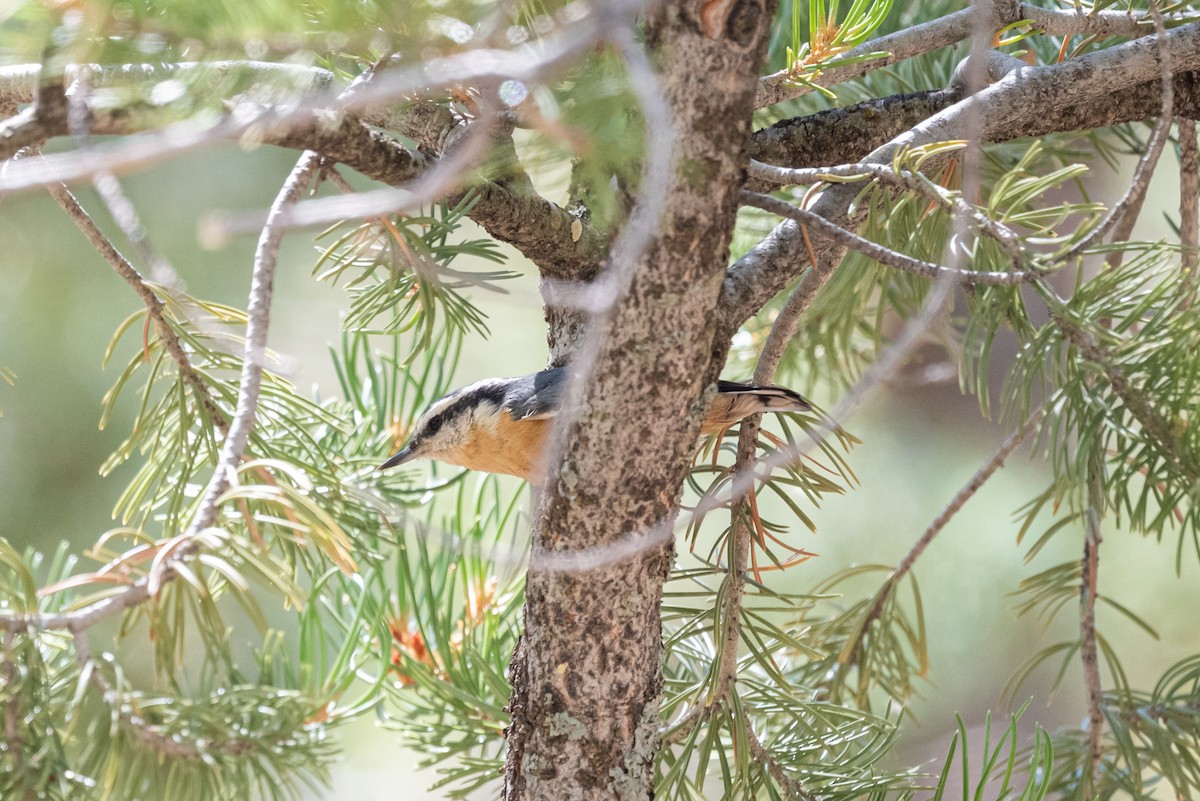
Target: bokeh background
(60,303)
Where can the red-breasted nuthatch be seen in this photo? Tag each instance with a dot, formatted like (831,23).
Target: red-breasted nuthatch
(500,425)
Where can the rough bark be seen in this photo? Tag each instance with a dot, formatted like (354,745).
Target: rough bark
(588,680)
(842,135)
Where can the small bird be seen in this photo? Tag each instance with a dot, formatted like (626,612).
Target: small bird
(500,425)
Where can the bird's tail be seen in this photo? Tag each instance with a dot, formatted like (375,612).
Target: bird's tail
(735,401)
(770,399)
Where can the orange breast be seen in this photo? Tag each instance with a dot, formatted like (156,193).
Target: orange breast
(511,447)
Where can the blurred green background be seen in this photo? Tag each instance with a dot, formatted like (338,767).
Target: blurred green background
(60,303)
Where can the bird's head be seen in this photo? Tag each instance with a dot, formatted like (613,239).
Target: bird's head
(445,429)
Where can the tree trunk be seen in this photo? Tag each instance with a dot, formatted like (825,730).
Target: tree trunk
(588,677)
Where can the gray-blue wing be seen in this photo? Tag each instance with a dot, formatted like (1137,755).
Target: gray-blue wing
(536,396)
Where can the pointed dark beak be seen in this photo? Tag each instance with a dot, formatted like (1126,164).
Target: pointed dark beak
(405,454)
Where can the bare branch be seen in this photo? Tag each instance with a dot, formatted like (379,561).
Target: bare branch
(1017,104)
(912,182)
(1121,217)
(968,490)
(844,135)
(788,320)
(1088,652)
(258,320)
(926,37)
(154,306)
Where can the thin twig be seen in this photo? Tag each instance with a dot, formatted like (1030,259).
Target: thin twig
(968,490)
(258,323)
(1189,210)
(1088,651)
(52,104)
(154,305)
(1121,217)
(879,253)
(763,756)
(740,532)
(258,320)
(912,182)
(107,187)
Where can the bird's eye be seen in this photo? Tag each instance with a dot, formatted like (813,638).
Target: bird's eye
(434,426)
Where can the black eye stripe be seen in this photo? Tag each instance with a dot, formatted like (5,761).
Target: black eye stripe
(491,393)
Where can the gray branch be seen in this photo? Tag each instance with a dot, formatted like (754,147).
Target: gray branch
(879,253)
(948,30)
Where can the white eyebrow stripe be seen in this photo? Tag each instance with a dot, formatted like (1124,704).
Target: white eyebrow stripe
(440,405)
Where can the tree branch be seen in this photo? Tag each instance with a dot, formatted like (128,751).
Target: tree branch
(844,135)
(903,179)
(926,37)
(847,135)
(1121,218)
(764,757)
(563,247)
(1088,651)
